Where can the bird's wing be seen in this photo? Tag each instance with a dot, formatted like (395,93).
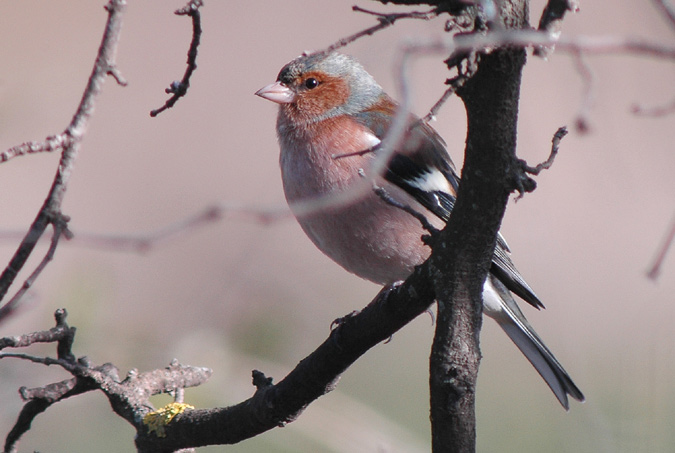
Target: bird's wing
(423,168)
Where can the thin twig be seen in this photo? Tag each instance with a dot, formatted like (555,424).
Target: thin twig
(179,88)
(526,184)
(454,85)
(384,196)
(654,111)
(433,111)
(143,242)
(372,149)
(60,229)
(385,21)
(655,268)
(579,45)
(559,134)
(50,144)
(667,8)
(588,95)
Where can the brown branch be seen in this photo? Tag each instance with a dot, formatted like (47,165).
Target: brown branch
(50,213)
(468,241)
(178,89)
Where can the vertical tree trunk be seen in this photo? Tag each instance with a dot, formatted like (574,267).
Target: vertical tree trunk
(491,100)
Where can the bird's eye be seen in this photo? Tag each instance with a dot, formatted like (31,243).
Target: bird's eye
(311,83)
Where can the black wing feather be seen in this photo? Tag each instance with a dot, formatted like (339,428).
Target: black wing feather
(404,169)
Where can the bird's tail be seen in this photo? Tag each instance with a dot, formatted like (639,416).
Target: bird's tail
(513,322)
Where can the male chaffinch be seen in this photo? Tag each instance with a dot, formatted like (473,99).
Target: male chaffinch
(331,112)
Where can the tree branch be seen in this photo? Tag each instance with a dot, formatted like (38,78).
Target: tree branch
(128,398)
(178,89)
(315,375)
(662,252)
(70,140)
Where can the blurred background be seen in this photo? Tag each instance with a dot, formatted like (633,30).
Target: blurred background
(235,295)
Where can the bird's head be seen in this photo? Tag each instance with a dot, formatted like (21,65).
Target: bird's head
(320,85)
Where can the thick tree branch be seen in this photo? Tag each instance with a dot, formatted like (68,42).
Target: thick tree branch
(270,406)
(491,100)
(315,375)
(467,244)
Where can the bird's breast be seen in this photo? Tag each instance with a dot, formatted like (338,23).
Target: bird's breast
(366,236)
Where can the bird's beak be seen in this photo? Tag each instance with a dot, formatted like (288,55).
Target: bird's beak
(276,92)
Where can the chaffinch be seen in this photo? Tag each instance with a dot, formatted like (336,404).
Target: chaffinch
(332,115)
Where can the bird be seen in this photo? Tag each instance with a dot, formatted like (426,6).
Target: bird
(332,116)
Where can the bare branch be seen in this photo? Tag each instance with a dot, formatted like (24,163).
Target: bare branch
(50,144)
(39,400)
(50,213)
(179,88)
(454,85)
(655,268)
(582,122)
(274,405)
(61,334)
(60,229)
(129,398)
(270,406)
(385,21)
(526,184)
(655,111)
(559,134)
(144,242)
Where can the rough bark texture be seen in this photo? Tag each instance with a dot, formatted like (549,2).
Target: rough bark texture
(465,248)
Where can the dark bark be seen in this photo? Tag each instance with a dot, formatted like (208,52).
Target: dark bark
(466,246)
(275,405)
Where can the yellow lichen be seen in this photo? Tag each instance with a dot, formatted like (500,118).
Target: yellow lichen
(156,421)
